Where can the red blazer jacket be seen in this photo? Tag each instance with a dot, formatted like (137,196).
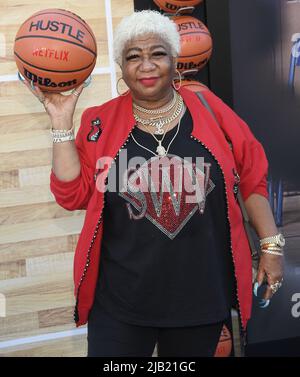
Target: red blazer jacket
(114,121)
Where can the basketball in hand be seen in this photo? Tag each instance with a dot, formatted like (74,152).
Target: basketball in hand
(56,49)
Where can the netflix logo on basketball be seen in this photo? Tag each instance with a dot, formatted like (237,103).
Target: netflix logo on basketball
(43,81)
(51,53)
(296,306)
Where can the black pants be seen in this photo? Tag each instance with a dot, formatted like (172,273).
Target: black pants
(108,337)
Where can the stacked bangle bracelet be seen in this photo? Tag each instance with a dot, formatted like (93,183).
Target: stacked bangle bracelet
(273,244)
(272,251)
(60,136)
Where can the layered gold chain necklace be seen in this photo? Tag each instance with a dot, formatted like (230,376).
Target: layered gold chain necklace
(158,119)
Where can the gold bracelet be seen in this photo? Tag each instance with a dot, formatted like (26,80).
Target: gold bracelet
(267,251)
(273,249)
(271,246)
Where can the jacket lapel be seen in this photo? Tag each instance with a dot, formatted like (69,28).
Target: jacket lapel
(117,122)
(206,130)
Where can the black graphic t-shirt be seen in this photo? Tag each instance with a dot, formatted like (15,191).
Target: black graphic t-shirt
(165,256)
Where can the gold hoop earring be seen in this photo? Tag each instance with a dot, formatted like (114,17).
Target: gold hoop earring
(180,80)
(117,88)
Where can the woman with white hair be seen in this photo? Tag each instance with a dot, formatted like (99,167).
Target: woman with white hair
(174,253)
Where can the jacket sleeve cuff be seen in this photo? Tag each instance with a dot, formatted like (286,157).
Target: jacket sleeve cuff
(56,183)
(260,189)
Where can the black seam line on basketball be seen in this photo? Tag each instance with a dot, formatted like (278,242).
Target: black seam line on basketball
(57,39)
(62,14)
(52,70)
(191,56)
(195,32)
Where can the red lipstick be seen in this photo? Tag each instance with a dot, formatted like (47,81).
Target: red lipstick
(148,81)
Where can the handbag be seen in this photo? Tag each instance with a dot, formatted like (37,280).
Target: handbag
(253,241)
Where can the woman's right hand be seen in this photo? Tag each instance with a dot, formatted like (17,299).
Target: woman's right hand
(59,107)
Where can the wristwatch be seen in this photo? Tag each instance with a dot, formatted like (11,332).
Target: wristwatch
(277,239)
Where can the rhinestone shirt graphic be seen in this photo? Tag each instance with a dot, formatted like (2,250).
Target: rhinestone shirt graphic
(167,194)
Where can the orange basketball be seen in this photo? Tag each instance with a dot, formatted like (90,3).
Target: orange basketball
(56,49)
(196,43)
(193,85)
(225,344)
(172,6)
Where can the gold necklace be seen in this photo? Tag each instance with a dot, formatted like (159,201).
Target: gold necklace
(161,151)
(160,110)
(159,122)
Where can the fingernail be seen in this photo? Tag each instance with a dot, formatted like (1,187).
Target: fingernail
(255,288)
(263,303)
(20,78)
(87,82)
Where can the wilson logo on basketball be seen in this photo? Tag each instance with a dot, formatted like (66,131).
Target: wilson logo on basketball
(51,54)
(44,81)
(171,6)
(59,27)
(190,65)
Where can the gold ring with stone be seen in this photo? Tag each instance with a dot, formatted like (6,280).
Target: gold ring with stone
(274,287)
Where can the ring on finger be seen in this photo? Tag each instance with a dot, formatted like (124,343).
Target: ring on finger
(275,286)
(87,81)
(74,91)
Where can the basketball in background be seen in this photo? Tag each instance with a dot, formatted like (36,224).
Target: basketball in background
(224,346)
(193,85)
(196,43)
(172,6)
(56,49)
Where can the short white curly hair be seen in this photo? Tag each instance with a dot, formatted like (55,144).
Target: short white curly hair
(145,22)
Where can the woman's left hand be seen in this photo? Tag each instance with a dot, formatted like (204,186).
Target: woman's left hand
(270,269)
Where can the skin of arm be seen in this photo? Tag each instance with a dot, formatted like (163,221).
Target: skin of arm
(65,158)
(262,220)
(60,108)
